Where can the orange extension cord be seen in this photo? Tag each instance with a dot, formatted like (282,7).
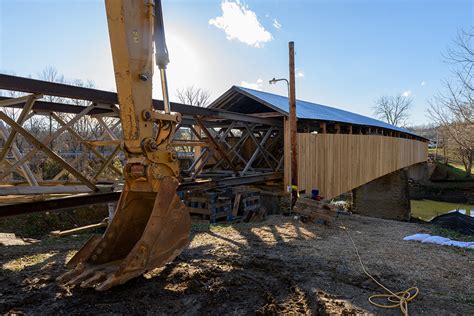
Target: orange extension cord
(398,299)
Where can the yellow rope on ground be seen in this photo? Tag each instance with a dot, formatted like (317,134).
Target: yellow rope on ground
(398,299)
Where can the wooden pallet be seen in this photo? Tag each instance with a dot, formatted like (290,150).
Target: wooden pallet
(208,205)
(313,211)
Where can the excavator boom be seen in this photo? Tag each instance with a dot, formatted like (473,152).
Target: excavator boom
(150,225)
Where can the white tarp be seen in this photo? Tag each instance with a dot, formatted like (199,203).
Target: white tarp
(438,240)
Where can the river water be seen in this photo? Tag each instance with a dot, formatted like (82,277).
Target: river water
(427,209)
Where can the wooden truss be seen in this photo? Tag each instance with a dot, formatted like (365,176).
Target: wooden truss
(216,146)
(21,158)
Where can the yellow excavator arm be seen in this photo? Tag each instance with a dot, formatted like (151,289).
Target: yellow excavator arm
(150,225)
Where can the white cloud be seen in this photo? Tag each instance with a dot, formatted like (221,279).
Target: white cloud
(240,23)
(276,24)
(299,74)
(423,83)
(406,93)
(253,85)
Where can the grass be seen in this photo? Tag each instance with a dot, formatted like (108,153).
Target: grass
(451,234)
(427,209)
(457,170)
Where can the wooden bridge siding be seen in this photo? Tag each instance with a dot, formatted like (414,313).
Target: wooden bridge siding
(337,163)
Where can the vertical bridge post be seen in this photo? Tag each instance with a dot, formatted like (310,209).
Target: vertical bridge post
(293,126)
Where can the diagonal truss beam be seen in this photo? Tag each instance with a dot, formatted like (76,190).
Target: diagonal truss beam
(233,150)
(30,101)
(208,152)
(106,163)
(256,152)
(265,153)
(46,141)
(25,169)
(41,146)
(107,129)
(216,146)
(83,141)
(72,163)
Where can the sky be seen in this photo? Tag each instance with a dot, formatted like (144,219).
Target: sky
(348,53)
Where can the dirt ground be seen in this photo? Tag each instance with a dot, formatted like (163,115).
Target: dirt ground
(279,265)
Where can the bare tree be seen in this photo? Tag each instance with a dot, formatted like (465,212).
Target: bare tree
(393,109)
(10,111)
(459,98)
(51,74)
(453,108)
(193,96)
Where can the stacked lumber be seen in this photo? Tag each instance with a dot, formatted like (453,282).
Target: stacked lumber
(313,211)
(211,205)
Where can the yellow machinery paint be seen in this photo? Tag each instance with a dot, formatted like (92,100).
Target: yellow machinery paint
(151,225)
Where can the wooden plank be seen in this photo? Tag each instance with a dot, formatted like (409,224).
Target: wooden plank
(318,206)
(312,215)
(315,210)
(57,233)
(28,190)
(14,101)
(235,209)
(102,143)
(191,143)
(199,211)
(267,114)
(318,210)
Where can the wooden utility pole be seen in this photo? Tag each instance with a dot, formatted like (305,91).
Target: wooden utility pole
(293,126)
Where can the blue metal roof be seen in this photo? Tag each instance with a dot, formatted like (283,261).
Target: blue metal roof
(308,110)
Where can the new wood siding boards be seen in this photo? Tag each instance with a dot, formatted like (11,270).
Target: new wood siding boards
(337,163)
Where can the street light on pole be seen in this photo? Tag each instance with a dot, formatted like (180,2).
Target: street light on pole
(274,81)
(293,129)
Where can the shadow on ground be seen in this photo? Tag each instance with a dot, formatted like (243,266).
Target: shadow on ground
(277,266)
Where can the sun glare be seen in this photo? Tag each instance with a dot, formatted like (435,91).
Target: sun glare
(184,66)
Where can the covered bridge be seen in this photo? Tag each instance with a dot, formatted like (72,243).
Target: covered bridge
(337,150)
(242,138)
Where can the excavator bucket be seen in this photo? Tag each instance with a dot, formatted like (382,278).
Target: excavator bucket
(148,230)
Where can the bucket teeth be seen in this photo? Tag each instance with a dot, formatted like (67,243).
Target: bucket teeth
(97,278)
(148,230)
